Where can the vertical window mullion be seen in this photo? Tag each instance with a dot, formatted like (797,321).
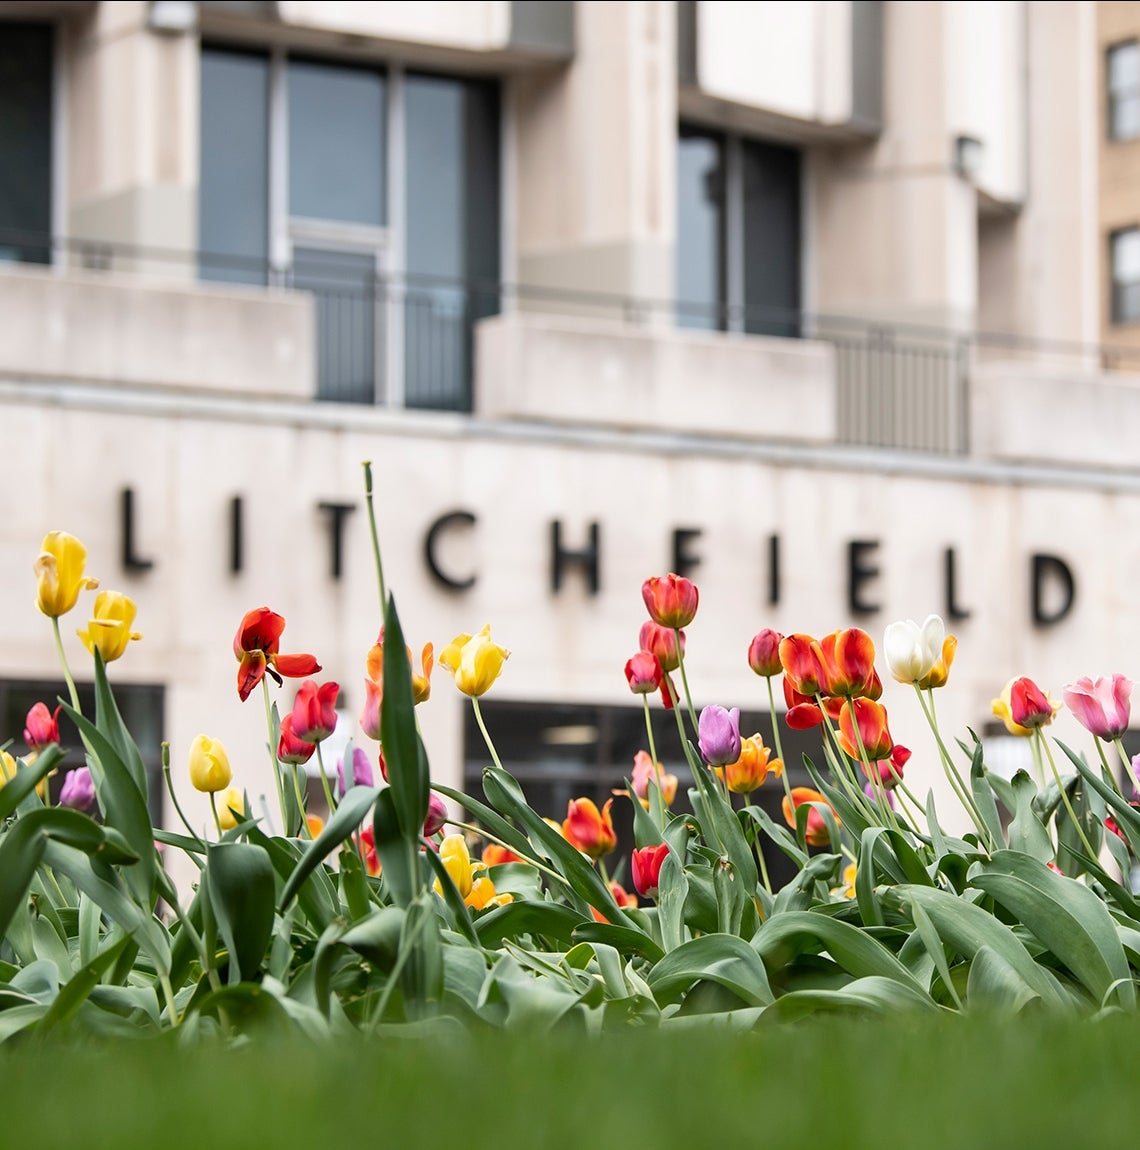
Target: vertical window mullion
(391,388)
(280,247)
(733,235)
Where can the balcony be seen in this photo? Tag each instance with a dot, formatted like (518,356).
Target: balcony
(119,317)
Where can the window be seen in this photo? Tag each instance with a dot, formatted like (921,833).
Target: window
(374,190)
(140,706)
(560,752)
(738,234)
(25,141)
(1124,90)
(1125,259)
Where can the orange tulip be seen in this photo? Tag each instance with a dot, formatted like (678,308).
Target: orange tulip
(802,661)
(662,642)
(421,681)
(751,769)
(815,833)
(589,830)
(848,658)
(671,601)
(873,733)
(495,855)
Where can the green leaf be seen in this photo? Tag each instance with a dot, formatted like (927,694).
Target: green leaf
(1026,832)
(982,792)
(719,819)
(785,936)
(404,752)
(78,989)
(27,776)
(994,987)
(928,935)
(239,879)
(399,856)
(317,897)
(341,825)
(621,938)
(110,723)
(720,958)
(1127,816)
(551,919)
(493,821)
(377,937)
(1064,914)
(459,910)
(870,995)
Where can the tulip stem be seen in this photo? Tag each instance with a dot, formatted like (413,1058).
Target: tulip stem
(1128,772)
(763,863)
(871,771)
(303,830)
(375,538)
(214,811)
(325,781)
(174,798)
(841,766)
(776,739)
(486,735)
(685,678)
(951,772)
(63,662)
(273,754)
(649,732)
(1065,797)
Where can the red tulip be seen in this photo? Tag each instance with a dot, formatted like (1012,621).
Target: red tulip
(589,830)
(255,646)
(646,865)
(291,748)
(314,711)
(764,653)
(671,601)
(41,727)
(1029,706)
(662,642)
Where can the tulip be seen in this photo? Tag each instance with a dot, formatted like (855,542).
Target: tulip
(496,855)
(474,661)
(1001,708)
(764,653)
(646,865)
(314,824)
(718,732)
(366,841)
(802,661)
(848,659)
(940,672)
(847,890)
(662,642)
(816,833)
(78,790)
(361,771)
(751,769)
(671,601)
(476,889)
(644,769)
(231,808)
(41,727)
(255,646)
(436,815)
(291,748)
(314,711)
(621,896)
(209,765)
(912,651)
(871,720)
(589,830)
(1029,706)
(643,673)
(889,770)
(1102,705)
(59,573)
(7,767)
(421,680)
(370,712)
(109,630)
(803,712)
(871,793)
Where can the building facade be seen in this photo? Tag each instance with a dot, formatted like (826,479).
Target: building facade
(806,300)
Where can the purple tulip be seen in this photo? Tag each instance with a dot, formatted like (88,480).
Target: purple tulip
(78,791)
(719,735)
(872,794)
(361,771)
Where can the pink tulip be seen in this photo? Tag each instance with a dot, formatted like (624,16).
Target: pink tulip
(1101,705)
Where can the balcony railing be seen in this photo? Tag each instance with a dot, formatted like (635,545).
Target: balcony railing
(409,341)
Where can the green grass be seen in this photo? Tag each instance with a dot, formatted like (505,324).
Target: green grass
(834,1083)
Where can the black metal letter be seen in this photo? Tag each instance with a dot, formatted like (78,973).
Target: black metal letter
(132,561)
(586,556)
(859,573)
(953,611)
(338,513)
(684,560)
(449,519)
(1051,566)
(773,570)
(236,535)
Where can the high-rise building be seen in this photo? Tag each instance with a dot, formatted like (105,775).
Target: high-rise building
(809,301)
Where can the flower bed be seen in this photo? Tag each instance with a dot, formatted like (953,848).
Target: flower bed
(398,913)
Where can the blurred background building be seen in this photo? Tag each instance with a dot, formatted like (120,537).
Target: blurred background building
(832,306)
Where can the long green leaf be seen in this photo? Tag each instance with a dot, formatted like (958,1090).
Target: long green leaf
(721,958)
(1026,832)
(27,777)
(239,878)
(403,748)
(870,995)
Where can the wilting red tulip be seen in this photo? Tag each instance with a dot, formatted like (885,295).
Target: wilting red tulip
(291,748)
(314,711)
(848,659)
(1029,706)
(671,601)
(1102,705)
(255,646)
(41,727)
(764,653)
(816,830)
(873,733)
(662,642)
(802,661)
(589,830)
(646,866)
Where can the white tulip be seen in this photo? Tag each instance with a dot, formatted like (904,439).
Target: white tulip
(911,651)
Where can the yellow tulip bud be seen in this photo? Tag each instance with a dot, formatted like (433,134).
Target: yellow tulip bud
(229,801)
(456,861)
(109,631)
(474,661)
(7,767)
(209,765)
(59,573)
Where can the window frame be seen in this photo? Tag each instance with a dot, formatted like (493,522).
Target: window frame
(1116,286)
(1115,96)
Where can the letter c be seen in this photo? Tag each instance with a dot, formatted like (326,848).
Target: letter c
(443,523)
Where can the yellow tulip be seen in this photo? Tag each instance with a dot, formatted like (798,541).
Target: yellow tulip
(230,800)
(456,861)
(7,767)
(109,630)
(209,765)
(475,661)
(59,573)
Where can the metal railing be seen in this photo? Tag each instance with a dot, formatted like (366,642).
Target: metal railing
(409,340)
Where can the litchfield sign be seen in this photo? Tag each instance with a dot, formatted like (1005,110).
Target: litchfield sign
(1052,583)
